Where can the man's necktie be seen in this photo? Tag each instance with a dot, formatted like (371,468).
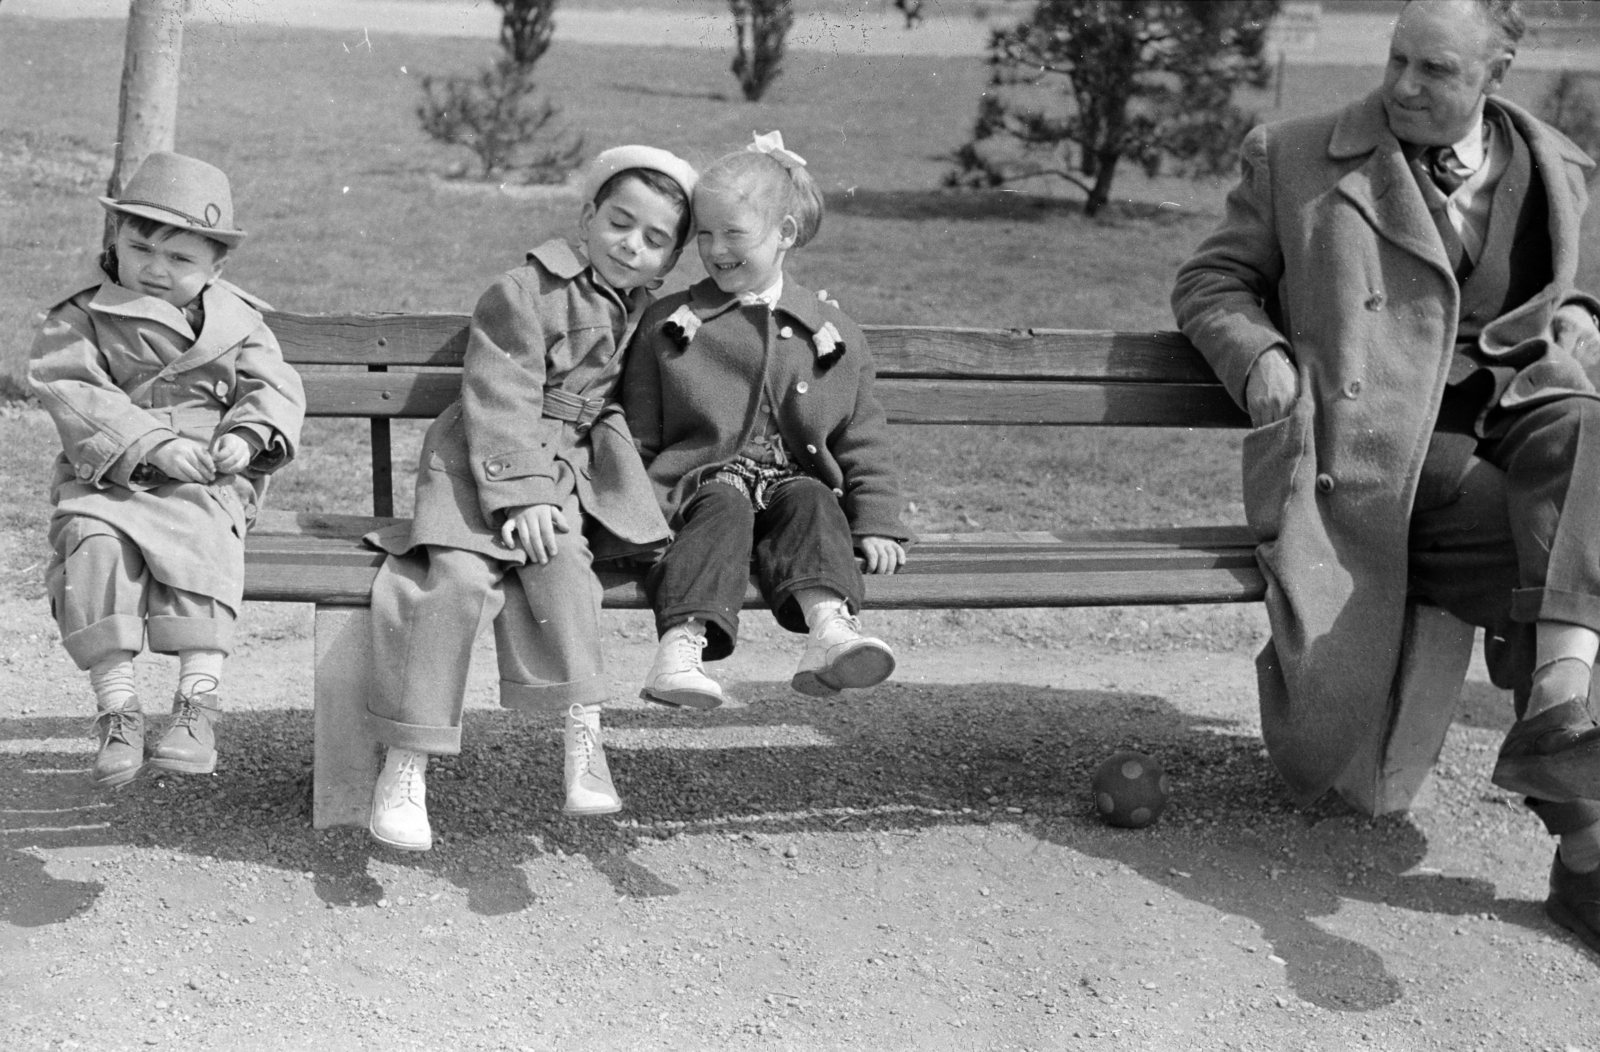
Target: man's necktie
(1444,168)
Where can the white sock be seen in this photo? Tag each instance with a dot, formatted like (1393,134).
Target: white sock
(818,604)
(199,672)
(112,680)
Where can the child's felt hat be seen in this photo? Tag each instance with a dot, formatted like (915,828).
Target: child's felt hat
(621,158)
(182,192)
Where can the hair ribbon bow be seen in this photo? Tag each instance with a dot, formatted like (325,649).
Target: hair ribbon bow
(771,144)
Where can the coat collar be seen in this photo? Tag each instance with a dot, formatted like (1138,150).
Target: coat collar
(566,262)
(229,319)
(1384,188)
(560,258)
(799,303)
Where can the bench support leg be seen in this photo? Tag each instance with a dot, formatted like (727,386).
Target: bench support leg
(1390,769)
(345,754)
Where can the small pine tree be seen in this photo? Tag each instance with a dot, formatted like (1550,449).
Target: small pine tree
(1084,84)
(761,27)
(499,114)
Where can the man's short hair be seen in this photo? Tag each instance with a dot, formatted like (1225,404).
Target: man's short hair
(1505,18)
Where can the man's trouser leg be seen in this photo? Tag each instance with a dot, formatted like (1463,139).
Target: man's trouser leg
(1465,559)
(428,607)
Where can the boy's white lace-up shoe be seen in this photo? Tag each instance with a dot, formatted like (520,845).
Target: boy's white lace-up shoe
(587,776)
(838,655)
(399,806)
(677,677)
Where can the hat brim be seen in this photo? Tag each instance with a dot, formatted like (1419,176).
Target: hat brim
(173,219)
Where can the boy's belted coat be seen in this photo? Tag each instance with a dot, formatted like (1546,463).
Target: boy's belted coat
(542,328)
(120,373)
(1327,244)
(694,381)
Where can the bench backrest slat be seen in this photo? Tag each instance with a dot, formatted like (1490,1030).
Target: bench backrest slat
(901,351)
(425,395)
(927,375)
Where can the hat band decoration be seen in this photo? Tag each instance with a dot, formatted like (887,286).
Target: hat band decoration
(771,144)
(213,214)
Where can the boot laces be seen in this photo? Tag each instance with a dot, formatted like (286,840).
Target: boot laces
(409,786)
(118,723)
(586,744)
(689,648)
(841,621)
(188,714)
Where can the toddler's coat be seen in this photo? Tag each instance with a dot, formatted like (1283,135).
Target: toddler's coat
(691,398)
(535,424)
(120,373)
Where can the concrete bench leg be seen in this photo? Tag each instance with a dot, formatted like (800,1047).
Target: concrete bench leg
(345,754)
(1392,766)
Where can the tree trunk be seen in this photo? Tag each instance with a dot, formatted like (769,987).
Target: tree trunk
(1101,191)
(147,113)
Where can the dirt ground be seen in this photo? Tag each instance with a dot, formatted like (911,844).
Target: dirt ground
(915,867)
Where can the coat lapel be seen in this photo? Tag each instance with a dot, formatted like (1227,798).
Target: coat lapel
(228,321)
(1383,189)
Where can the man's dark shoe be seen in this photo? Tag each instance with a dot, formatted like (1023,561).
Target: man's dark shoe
(1553,756)
(1574,902)
(121,754)
(190,744)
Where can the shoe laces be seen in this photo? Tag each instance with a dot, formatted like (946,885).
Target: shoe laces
(689,648)
(188,713)
(841,620)
(118,722)
(409,787)
(587,742)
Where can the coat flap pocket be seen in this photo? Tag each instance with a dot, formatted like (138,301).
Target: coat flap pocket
(520,464)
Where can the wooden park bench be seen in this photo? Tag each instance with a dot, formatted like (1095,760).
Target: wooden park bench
(383,366)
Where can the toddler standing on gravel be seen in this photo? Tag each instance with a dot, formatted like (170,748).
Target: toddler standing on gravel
(518,479)
(174,405)
(751,400)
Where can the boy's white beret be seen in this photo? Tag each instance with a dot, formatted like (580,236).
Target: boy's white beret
(621,158)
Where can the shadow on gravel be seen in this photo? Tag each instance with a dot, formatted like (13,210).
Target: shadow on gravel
(901,757)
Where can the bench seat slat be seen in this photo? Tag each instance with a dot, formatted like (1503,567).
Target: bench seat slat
(426,395)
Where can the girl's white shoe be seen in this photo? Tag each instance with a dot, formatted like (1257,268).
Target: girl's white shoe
(586,774)
(839,655)
(399,805)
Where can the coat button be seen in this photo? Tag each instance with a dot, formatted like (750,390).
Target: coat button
(495,469)
(802,387)
(1374,301)
(1324,483)
(222,389)
(84,471)
(838,492)
(812,450)
(1352,388)
(785,332)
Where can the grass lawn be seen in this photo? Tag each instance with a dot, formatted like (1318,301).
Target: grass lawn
(346,209)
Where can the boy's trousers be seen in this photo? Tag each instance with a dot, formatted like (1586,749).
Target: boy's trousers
(105,601)
(428,607)
(800,540)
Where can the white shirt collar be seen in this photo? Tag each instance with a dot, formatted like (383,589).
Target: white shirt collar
(1471,150)
(768,296)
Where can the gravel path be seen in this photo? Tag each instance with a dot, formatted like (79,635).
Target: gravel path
(916,868)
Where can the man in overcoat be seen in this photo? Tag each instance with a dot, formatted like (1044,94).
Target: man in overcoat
(1391,296)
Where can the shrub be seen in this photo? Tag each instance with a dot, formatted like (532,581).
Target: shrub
(499,114)
(760,26)
(1083,84)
